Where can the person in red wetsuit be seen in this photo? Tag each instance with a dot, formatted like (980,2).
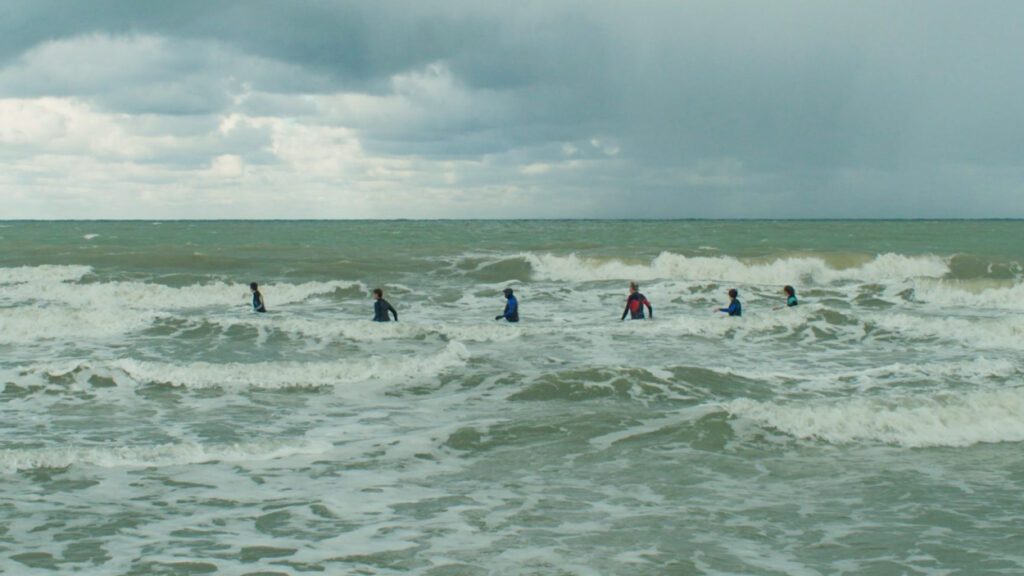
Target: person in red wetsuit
(635,304)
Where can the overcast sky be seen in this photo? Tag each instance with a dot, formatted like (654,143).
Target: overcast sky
(466,109)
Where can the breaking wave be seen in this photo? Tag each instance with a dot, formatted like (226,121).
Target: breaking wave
(265,374)
(789,270)
(947,419)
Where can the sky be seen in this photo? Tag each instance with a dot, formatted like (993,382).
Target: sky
(530,109)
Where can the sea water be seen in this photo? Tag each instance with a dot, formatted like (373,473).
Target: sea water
(154,424)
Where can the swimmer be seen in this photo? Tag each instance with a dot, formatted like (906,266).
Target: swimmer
(790,293)
(257,298)
(381,307)
(790,296)
(735,308)
(511,312)
(635,304)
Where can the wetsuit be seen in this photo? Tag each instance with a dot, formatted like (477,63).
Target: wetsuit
(381,307)
(511,312)
(635,307)
(734,309)
(257,301)
(791,301)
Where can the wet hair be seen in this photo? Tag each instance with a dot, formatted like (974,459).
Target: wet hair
(733,293)
(634,286)
(254,286)
(378,292)
(507,292)
(789,290)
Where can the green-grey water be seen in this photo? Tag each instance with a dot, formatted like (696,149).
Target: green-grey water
(155,424)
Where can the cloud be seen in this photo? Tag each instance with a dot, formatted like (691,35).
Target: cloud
(462,108)
(142,74)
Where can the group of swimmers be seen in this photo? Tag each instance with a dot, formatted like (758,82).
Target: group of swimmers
(635,303)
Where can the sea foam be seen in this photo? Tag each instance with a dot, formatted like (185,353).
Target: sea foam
(42,274)
(946,419)
(267,374)
(174,454)
(788,270)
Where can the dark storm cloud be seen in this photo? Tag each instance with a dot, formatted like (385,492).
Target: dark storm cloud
(743,108)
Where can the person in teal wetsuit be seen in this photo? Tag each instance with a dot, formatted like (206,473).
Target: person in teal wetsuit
(257,298)
(790,296)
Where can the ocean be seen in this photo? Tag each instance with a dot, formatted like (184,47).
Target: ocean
(154,424)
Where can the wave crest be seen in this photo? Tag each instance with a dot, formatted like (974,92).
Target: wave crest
(805,270)
(175,454)
(987,416)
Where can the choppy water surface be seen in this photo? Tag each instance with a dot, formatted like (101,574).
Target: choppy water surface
(154,424)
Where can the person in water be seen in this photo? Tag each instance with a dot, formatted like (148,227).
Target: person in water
(381,307)
(511,312)
(735,308)
(635,304)
(257,298)
(790,296)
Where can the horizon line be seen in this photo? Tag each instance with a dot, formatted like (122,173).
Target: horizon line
(540,219)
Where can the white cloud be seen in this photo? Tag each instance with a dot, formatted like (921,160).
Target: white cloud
(227,166)
(68,126)
(536,168)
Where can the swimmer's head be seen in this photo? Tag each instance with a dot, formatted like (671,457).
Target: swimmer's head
(378,293)
(789,290)
(507,292)
(733,293)
(253,286)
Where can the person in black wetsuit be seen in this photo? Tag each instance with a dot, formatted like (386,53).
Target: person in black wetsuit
(257,298)
(381,307)
(735,308)
(511,312)
(635,304)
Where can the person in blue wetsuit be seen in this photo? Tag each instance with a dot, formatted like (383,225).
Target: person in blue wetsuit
(382,307)
(635,304)
(257,298)
(511,312)
(790,296)
(735,308)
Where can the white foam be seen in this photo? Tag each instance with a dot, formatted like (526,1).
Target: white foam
(947,419)
(48,306)
(1001,332)
(146,456)
(33,323)
(90,236)
(979,370)
(368,331)
(116,296)
(43,275)
(792,270)
(985,295)
(293,374)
